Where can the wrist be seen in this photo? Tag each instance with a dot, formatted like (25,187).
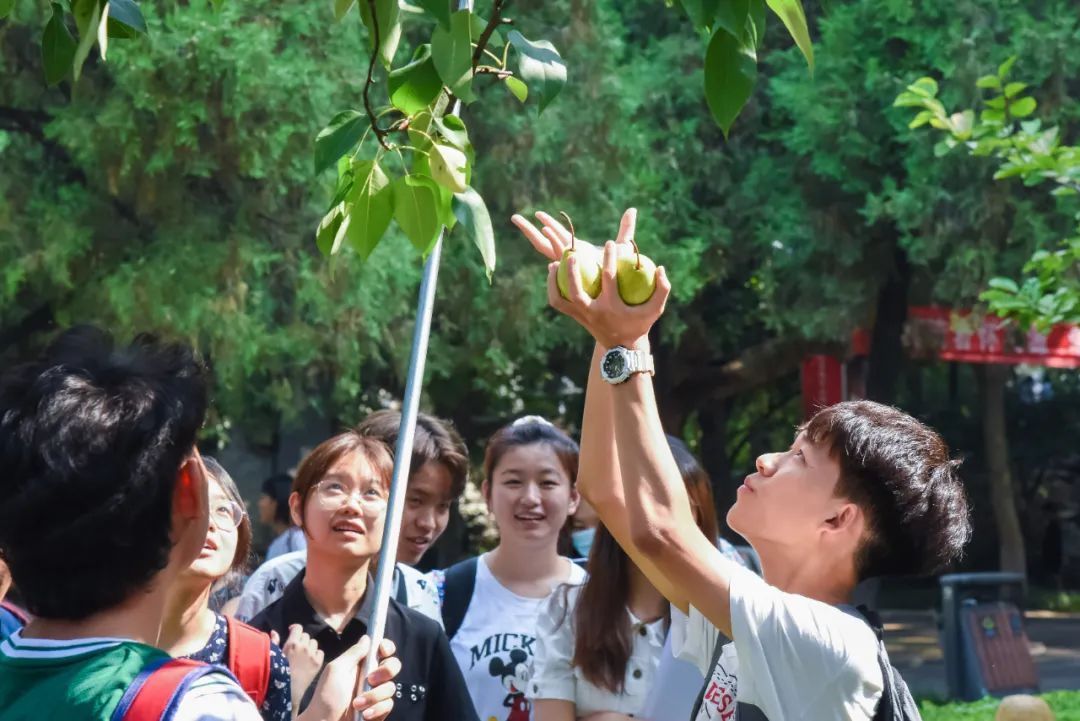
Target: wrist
(641,344)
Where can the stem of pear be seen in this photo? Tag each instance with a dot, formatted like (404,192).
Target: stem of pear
(573,235)
(636,253)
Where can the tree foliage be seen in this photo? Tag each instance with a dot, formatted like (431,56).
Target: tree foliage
(1006,131)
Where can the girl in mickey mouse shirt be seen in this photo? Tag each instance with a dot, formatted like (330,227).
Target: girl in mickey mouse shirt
(530,472)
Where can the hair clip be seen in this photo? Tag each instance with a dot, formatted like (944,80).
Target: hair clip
(525,420)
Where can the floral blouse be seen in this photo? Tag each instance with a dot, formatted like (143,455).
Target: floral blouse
(278,703)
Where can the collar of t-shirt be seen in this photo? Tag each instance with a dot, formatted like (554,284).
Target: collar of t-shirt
(297,608)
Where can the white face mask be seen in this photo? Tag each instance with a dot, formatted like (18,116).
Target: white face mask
(583,540)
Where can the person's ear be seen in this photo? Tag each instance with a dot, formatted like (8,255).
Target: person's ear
(190,493)
(575,500)
(296,510)
(847,517)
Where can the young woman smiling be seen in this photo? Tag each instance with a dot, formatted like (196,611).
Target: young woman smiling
(491,603)
(339,500)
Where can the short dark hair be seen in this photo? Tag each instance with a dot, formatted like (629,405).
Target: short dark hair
(433,440)
(278,487)
(92,437)
(899,472)
(529,431)
(318,463)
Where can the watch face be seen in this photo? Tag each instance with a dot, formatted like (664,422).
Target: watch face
(614,365)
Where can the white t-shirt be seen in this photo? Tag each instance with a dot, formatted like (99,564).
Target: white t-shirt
(269,580)
(555,677)
(496,643)
(792,658)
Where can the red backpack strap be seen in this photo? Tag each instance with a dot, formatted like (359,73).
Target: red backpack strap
(16,612)
(156,692)
(249,658)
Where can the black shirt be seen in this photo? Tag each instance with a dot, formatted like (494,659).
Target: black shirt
(430,686)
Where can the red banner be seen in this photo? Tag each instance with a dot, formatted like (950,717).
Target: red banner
(960,335)
(823,381)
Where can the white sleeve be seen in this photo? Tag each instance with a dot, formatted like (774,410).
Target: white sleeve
(216,697)
(268,582)
(798,653)
(421,592)
(553,674)
(693,639)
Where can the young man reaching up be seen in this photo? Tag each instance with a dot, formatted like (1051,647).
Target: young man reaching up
(864,490)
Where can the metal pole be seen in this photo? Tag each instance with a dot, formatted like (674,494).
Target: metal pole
(384,578)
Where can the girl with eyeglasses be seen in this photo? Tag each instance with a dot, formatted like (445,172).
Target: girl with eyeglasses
(339,499)
(192,629)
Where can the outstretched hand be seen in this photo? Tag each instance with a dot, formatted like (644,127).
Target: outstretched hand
(607,318)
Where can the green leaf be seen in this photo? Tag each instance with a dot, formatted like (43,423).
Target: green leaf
(125,19)
(416,85)
(452,129)
(794,19)
(57,47)
(472,213)
(451,49)
(338,138)
(329,226)
(921,119)
(1023,107)
(1006,284)
(540,66)
(702,12)
(103,30)
(997,103)
(990,82)
(87,18)
(6,6)
(732,15)
(730,74)
(992,116)
(925,87)
(518,88)
(448,167)
(342,8)
(1005,67)
(438,9)
(371,207)
(416,210)
(755,22)
(389,31)
(1014,89)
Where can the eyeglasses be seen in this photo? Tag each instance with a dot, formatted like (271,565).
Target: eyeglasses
(227,515)
(333,494)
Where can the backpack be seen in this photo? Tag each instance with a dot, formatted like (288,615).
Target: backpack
(156,691)
(896,703)
(458,583)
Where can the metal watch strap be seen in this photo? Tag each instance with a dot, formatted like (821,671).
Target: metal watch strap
(639,361)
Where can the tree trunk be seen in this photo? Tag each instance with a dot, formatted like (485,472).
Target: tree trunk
(886,347)
(1002,494)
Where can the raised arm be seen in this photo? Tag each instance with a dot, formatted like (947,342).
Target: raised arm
(645,505)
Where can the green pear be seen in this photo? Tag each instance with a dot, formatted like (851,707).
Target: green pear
(635,275)
(589,270)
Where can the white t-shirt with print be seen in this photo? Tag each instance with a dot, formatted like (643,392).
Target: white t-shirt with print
(792,658)
(555,676)
(496,643)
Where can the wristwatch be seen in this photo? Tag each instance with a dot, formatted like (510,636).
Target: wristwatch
(618,364)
